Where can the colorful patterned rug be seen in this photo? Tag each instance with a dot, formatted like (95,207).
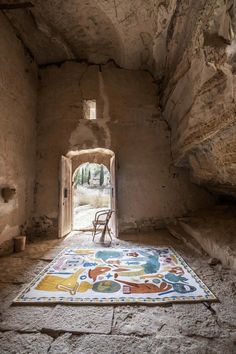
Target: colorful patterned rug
(137,275)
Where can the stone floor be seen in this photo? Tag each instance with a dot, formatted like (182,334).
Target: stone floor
(179,328)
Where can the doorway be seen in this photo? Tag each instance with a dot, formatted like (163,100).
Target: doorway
(91,194)
(87,184)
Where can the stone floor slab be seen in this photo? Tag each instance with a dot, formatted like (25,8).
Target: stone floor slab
(14,343)
(138,320)
(103,344)
(19,270)
(193,345)
(7,294)
(80,319)
(24,318)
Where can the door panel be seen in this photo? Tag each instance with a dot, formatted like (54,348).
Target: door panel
(65,214)
(113,196)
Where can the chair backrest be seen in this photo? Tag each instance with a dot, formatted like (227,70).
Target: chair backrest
(106,214)
(109,214)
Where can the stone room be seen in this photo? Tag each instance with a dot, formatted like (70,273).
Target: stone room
(117,176)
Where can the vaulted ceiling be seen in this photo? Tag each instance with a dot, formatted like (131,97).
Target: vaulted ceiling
(136,34)
(129,32)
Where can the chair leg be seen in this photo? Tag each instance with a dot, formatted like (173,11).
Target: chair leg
(109,233)
(103,233)
(94,232)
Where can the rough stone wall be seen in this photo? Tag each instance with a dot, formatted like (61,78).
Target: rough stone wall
(129,123)
(18,88)
(199,99)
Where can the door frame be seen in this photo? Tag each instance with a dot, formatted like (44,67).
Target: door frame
(65,197)
(113,193)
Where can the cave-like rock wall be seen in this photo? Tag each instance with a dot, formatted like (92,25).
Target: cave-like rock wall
(199,97)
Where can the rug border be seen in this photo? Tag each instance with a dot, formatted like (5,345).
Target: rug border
(149,301)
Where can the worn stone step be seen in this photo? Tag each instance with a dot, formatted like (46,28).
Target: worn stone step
(178,232)
(220,246)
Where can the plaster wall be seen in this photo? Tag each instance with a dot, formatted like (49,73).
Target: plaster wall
(150,188)
(18,89)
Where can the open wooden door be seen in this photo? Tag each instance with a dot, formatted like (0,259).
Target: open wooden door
(113,196)
(65,208)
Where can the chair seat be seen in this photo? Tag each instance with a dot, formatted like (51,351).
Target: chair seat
(99,222)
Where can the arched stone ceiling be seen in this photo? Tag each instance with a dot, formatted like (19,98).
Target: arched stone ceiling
(132,33)
(136,34)
(61,30)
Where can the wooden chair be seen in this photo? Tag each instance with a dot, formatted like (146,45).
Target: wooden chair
(100,223)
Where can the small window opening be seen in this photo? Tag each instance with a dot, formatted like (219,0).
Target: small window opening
(89,109)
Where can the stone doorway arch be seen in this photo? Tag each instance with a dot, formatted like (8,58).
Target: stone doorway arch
(69,165)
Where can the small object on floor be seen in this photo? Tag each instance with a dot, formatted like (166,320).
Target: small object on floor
(116,276)
(19,243)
